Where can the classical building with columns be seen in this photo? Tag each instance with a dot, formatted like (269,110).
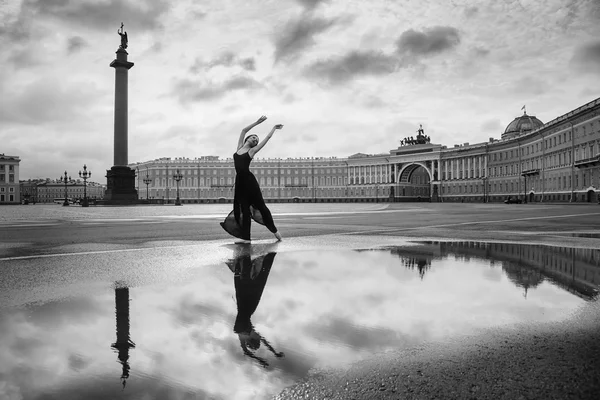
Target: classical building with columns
(557,161)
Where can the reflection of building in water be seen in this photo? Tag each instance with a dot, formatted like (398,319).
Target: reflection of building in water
(573,269)
(123,343)
(522,276)
(414,260)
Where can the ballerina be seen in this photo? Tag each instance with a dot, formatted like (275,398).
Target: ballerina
(248,202)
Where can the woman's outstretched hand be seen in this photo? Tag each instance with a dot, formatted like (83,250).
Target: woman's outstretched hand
(261,119)
(278,126)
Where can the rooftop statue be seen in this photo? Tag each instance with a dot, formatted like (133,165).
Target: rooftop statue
(420,139)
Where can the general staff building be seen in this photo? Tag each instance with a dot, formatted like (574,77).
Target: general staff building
(556,161)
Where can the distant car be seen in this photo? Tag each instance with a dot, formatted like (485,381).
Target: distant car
(512,200)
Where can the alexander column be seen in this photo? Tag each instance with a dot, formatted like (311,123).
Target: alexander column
(120,188)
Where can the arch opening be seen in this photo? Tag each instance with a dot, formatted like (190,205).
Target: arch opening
(414,183)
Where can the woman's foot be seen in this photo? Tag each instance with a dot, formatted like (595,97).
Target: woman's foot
(243,241)
(278,236)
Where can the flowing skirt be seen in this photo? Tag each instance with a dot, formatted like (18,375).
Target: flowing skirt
(248,204)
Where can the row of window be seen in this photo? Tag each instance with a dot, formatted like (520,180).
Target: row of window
(11,177)
(193,182)
(11,198)
(192,171)
(287,192)
(556,160)
(551,183)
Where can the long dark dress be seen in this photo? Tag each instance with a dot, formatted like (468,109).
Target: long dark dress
(248,202)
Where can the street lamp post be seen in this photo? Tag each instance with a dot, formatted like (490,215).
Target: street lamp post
(178,177)
(85,175)
(484,189)
(147,181)
(66,179)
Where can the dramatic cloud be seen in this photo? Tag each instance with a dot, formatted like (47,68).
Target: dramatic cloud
(471,11)
(480,52)
(530,85)
(374,102)
(75,44)
(298,35)
(248,64)
(13,27)
(311,4)
(587,58)
(23,58)
(101,14)
(492,125)
(46,100)
(335,328)
(431,41)
(226,59)
(356,63)
(190,91)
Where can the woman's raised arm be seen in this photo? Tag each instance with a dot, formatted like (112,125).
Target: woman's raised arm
(262,143)
(246,129)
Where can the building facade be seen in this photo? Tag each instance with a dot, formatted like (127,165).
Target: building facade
(9,179)
(533,161)
(50,190)
(28,188)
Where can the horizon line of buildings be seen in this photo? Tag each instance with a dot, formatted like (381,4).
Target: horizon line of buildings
(555,161)
(535,161)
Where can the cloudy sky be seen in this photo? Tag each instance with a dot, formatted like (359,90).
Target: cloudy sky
(342,76)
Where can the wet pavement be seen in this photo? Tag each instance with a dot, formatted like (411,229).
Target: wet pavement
(222,321)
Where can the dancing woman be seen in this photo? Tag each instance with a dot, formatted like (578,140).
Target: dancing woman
(248,201)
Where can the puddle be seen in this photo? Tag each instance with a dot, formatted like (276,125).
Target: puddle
(247,328)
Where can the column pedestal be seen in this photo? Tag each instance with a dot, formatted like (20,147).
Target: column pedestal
(120,186)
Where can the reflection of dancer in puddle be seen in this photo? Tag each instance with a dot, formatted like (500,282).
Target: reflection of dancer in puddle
(250,278)
(248,201)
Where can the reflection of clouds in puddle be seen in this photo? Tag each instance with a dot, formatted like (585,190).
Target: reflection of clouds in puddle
(320,308)
(492,274)
(343,332)
(453,298)
(201,354)
(39,351)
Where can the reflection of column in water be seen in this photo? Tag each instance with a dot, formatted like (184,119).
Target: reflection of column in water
(123,343)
